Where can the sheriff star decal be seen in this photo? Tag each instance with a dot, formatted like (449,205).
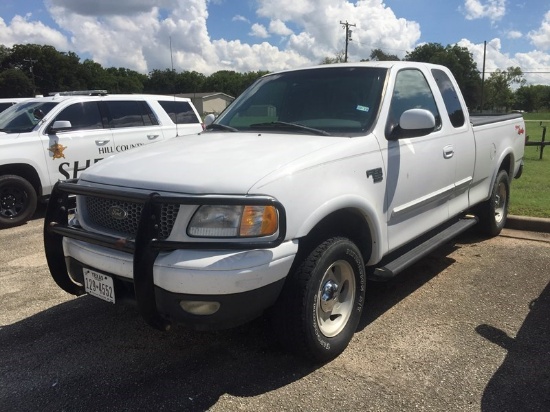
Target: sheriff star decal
(57,150)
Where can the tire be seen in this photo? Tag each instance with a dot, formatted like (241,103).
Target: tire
(17,201)
(493,212)
(321,303)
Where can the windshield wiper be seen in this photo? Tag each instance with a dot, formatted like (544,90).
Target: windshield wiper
(292,126)
(218,126)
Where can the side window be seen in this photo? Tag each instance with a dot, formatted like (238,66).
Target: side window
(130,113)
(179,112)
(450,97)
(83,116)
(411,92)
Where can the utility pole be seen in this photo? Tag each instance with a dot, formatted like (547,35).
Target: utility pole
(346,25)
(31,61)
(483,74)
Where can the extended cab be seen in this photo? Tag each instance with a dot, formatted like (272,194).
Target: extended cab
(312,181)
(46,139)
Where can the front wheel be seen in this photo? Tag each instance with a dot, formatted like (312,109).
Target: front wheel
(493,213)
(17,200)
(321,302)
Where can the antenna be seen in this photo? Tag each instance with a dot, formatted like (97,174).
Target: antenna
(175,108)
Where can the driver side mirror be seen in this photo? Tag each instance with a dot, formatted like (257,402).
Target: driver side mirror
(209,119)
(417,119)
(413,123)
(60,126)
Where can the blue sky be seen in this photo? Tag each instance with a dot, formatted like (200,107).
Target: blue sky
(250,35)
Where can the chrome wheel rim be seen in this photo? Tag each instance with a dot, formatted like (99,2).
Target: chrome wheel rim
(500,202)
(335,298)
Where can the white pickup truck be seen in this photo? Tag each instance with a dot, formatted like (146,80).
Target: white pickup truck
(46,139)
(311,182)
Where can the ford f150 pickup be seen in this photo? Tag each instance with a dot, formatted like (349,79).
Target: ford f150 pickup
(308,184)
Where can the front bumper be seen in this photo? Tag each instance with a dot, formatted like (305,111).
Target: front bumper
(163,272)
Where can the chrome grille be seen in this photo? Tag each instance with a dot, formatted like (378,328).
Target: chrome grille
(100,214)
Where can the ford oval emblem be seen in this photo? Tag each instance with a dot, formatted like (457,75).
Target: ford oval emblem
(118,213)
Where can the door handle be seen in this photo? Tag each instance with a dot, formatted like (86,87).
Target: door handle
(448,152)
(152,136)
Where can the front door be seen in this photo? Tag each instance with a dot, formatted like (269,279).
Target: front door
(420,169)
(72,150)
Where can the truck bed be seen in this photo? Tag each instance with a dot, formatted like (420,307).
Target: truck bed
(481,119)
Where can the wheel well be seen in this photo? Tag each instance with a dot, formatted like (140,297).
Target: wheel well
(507,166)
(25,171)
(346,222)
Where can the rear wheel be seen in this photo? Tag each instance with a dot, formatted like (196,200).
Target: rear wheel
(493,213)
(321,302)
(17,200)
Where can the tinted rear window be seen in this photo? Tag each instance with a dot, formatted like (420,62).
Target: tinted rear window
(179,112)
(130,113)
(450,97)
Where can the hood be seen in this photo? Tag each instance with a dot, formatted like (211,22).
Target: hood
(228,163)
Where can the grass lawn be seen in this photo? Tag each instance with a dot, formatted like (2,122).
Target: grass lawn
(530,194)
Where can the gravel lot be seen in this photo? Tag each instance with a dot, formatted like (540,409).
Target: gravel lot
(465,329)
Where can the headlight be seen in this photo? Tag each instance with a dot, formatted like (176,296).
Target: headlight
(234,221)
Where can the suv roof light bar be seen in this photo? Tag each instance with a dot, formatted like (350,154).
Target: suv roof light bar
(80,93)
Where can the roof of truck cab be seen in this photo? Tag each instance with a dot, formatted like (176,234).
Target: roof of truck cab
(382,64)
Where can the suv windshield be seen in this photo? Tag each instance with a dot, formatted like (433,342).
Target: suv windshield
(22,117)
(323,101)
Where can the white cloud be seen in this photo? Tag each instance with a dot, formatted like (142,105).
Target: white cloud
(541,37)
(478,9)
(531,62)
(376,26)
(136,34)
(109,7)
(514,34)
(258,30)
(238,17)
(279,28)
(23,31)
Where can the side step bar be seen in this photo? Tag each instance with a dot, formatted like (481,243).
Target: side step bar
(402,261)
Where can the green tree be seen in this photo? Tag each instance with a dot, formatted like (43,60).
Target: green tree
(380,56)
(14,83)
(532,98)
(189,82)
(48,69)
(161,81)
(338,58)
(121,80)
(225,81)
(459,61)
(498,88)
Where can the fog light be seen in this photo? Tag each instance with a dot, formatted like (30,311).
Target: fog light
(197,307)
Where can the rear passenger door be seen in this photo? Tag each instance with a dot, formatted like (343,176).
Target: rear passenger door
(132,124)
(464,145)
(74,149)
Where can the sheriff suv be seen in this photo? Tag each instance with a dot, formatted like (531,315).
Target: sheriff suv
(53,138)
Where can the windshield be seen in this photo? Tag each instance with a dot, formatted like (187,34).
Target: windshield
(22,117)
(324,101)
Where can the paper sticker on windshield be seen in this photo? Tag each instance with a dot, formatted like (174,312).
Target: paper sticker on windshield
(362,108)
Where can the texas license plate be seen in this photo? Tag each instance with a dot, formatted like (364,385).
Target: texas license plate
(99,285)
